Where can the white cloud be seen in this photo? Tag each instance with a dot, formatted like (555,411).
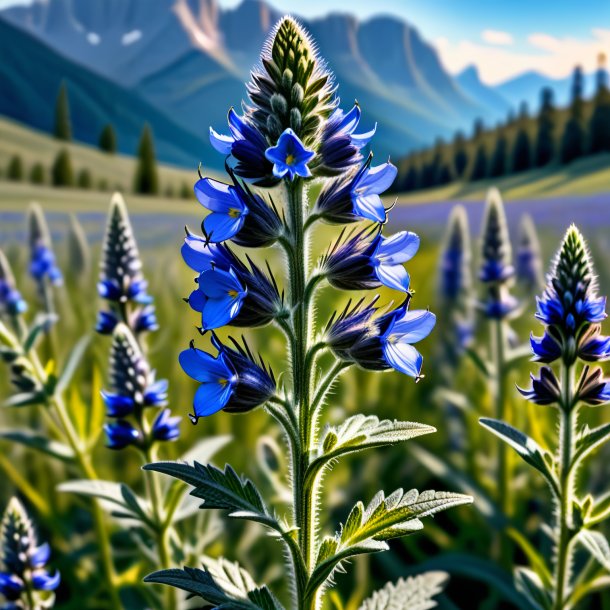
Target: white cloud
(497,37)
(552,56)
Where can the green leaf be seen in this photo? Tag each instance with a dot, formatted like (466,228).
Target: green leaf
(600,511)
(413,593)
(220,489)
(39,443)
(39,325)
(112,495)
(597,544)
(588,441)
(74,359)
(531,585)
(529,450)
(360,432)
(234,580)
(25,399)
(367,529)
(482,365)
(205,449)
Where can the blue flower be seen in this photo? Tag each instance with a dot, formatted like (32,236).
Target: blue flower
(254,299)
(384,342)
(165,427)
(24,562)
(545,390)
(355,197)
(289,156)
(219,297)
(121,434)
(231,381)
(369,260)
(43,265)
(593,389)
(11,301)
(341,145)
(247,145)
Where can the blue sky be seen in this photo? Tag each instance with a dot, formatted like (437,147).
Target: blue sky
(502,38)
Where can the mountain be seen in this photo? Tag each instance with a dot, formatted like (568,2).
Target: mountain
(470,82)
(30,73)
(190,58)
(527,88)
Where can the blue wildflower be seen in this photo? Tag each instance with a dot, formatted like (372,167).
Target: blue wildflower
(228,290)
(383,342)
(340,144)
(121,434)
(42,258)
(289,156)
(25,579)
(369,260)
(593,389)
(11,301)
(237,213)
(165,427)
(230,381)
(355,197)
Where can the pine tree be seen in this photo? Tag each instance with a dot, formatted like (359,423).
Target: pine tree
(63,126)
(599,126)
(573,140)
(545,138)
(186,191)
(14,170)
(84,179)
(479,169)
(37,174)
(108,141)
(146,180)
(522,155)
(478,129)
(61,172)
(498,160)
(460,155)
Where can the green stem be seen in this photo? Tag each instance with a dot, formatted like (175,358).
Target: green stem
(500,408)
(84,463)
(298,265)
(567,435)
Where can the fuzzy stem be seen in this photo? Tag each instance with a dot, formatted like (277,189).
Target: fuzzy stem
(501,413)
(567,435)
(301,376)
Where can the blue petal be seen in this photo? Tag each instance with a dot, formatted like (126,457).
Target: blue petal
(220,312)
(197,254)
(377,179)
(43,581)
(40,556)
(350,121)
(360,140)
(220,142)
(403,357)
(414,325)
(398,248)
(369,206)
(117,405)
(197,300)
(220,227)
(393,276)
(212,397)
(217,196)
(217,283)
(236,124)
(202,366)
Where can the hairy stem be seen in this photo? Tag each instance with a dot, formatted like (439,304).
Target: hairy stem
(567,435)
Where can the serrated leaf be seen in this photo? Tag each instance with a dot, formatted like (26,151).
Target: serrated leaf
(220,489)
(366,529)
(530,584)
(230,577)
(39,443)
(413,593)
(527,448)
(361,432)
(597,544)
(74,359)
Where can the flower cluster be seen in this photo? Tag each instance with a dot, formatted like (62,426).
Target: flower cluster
(24,581)
(11,301)
(133,389)
(43,266)
(121,282)
(497,271)
(571,312)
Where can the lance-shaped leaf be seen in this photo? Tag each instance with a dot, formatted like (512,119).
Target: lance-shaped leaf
(529,450)
(367,529)
(241,592)
(112,496)
(531,585)
(600,510)
(597,544)
(39,443)
(360,432)
(588,441)
(413,593)
(220,489)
